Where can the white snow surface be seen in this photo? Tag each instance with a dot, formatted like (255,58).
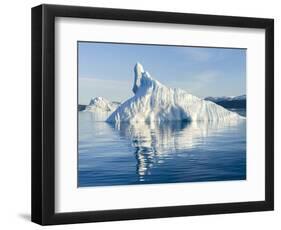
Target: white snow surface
(101,108)
(155,102)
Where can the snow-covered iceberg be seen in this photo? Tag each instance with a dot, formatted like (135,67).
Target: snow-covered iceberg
(101,108)
(155,102)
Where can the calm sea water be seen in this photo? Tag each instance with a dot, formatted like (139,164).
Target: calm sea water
(167,153)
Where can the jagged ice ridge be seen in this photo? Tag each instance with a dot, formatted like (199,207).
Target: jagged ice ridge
(155,102)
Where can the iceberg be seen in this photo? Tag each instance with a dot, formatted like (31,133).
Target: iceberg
(155,102)
(101,108)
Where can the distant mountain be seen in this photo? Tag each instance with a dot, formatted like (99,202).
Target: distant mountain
(229,102)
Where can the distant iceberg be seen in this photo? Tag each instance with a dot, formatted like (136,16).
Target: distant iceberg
(155,102)
(101,108)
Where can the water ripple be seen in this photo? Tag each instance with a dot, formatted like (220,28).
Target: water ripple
(152,153)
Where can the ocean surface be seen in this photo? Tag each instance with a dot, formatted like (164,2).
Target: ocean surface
(168,153)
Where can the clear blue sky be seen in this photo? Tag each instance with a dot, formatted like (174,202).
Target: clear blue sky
(106,69)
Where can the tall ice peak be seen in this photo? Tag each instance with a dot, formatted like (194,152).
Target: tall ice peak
(138,75)
(155,102)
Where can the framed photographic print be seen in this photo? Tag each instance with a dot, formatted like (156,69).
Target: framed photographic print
(142,114)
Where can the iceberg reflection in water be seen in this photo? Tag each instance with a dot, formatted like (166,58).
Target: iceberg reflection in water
(141,153)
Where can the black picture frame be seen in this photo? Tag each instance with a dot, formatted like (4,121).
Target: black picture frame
(43,114)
